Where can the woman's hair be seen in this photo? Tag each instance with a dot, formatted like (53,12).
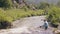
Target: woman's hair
(44,20)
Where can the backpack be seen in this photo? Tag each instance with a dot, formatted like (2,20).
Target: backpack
(45,24)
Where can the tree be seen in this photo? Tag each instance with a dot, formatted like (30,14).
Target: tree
(5,3)
(43,5)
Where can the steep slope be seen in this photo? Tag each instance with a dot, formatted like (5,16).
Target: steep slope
(38,1)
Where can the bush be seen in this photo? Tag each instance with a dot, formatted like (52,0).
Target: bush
(5,25)
(43,5)
(10,15)
(5,3)
(53,16)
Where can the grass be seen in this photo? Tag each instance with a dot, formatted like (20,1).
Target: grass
(10,15)
(54,15)
(14,14)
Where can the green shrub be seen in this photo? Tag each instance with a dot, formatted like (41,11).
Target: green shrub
(14,14)
(43,5)
(10,15)
(53,15)
(5,3)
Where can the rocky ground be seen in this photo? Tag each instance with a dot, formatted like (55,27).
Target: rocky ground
(28,25)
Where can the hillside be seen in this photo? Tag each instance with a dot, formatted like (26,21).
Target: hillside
(38,1)
(26,16)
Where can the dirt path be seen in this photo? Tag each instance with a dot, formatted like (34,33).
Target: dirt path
(28,25)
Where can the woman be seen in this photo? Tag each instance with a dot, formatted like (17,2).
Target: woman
(45,24)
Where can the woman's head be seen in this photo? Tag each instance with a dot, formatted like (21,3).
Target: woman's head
(44,20)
